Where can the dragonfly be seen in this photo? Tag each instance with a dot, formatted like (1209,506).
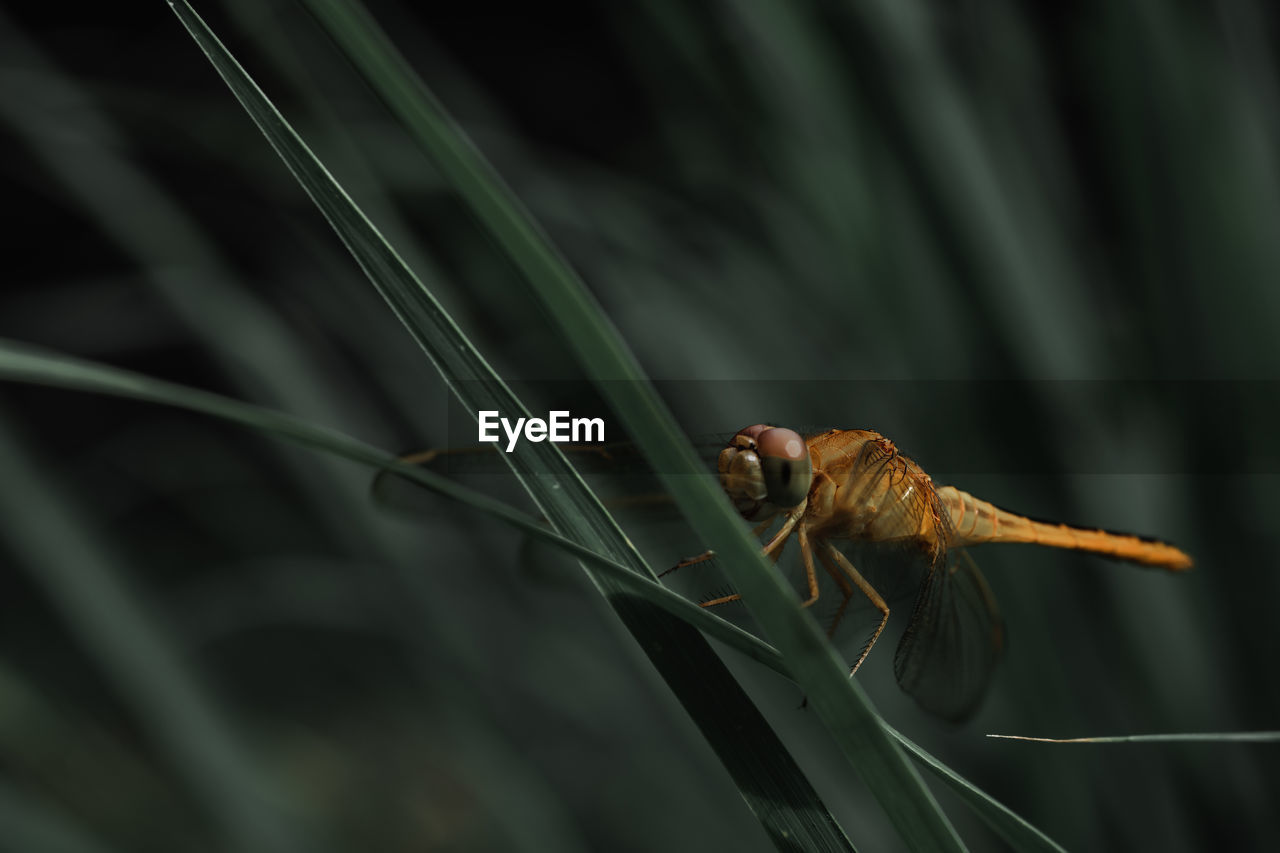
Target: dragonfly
(855,486)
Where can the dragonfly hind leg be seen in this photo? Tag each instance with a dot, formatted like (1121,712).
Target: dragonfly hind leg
(832,558)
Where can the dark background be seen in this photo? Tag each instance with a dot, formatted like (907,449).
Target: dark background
(1037,250)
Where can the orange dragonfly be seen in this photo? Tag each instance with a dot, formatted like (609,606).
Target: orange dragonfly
(854,485)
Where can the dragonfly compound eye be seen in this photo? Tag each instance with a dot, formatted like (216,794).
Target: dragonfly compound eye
(747,436)
(784,460)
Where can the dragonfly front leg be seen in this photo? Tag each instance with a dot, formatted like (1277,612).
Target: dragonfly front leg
(707,555)
(772,549)
(829,554)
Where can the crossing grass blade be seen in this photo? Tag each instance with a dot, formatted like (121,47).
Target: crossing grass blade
(24,363)
(773,786)
(858,731)
(839,702)
(1019,834)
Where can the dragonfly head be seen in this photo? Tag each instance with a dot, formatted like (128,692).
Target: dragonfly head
(765,465)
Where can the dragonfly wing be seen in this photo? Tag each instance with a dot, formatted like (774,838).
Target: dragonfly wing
(953,641)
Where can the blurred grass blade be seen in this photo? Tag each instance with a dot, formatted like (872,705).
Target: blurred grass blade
(770,781)
(45,530)
(24,363)
(1019,834)
(1195,737)
(29,824)
(837,699)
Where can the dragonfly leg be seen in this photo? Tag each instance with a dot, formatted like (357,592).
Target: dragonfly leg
(806,554)
(830,552)
(689,561)
(846,588)
(707,555)
(772,549)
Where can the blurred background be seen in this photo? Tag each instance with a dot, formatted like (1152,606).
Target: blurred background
(1037,249)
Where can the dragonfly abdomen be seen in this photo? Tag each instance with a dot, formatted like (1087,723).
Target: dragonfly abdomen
(975,521)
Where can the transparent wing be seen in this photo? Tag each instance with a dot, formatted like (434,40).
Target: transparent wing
(953,641)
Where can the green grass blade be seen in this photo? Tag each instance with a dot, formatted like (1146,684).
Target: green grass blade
(1020,834)
(1194,737)
(24,363)
(772,784)
(838,701)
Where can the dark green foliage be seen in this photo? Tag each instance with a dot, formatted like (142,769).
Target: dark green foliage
(1037,252)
